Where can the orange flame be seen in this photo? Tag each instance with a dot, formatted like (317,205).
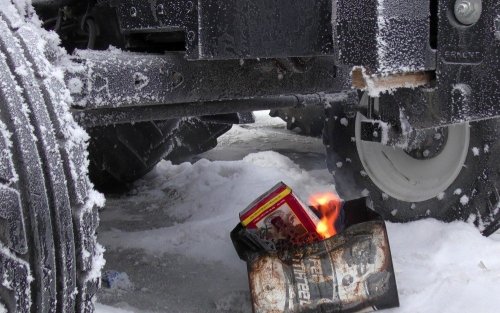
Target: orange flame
(328,204)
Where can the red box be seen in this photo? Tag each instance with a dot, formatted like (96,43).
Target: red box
(278,215)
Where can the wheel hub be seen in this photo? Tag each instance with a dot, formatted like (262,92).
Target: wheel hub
(429,143)
(415,175)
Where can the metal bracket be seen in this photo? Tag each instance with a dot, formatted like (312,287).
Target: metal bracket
(468,75)
(236,29)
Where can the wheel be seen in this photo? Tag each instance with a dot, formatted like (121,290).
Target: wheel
(49,258)
(453,176)
(124,153)
(308,120)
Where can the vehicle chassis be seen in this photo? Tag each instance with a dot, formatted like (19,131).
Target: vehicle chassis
(243,55)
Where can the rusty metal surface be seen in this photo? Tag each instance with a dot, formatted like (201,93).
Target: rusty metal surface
(351,272)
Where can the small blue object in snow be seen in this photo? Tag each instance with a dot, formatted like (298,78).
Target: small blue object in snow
(116,280)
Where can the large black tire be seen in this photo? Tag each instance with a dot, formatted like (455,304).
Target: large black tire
(120,154)
(49,258)
(473,196)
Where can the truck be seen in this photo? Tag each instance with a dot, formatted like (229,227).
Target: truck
(94,93)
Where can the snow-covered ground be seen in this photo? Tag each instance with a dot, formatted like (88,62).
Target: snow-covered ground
(170,234)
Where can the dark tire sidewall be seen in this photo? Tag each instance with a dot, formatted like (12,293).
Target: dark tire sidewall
(341,147)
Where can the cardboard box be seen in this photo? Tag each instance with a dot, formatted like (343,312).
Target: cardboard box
(279,216)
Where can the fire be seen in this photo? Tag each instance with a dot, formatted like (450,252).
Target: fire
(328,204)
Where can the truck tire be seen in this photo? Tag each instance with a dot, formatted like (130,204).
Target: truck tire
(49,258)
(121,154)
(459,183)
(309,120)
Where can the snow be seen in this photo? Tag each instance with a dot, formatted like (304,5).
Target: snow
(464,200)
(100,308)
(440,196)
(75,85)
(170,234)
(438,267)
(208,193)
(486,148)
(475,151)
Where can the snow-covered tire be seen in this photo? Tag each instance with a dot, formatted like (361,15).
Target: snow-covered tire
(471,194)
(121,154)
(49,258)
(309,120)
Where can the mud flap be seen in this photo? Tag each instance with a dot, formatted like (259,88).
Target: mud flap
(350,272)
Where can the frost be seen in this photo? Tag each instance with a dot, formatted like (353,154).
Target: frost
(464,200)
(6,157)
(114,50)
(486,148)
(339,164)
(375,84)
(363,173)
(140,81)
(75,85)
(394,212)
(457,191)
(344,121)
(413,206)
(365,193)
(385,132)
(385,196)
(440,196)
(98,263)
(348,160)
(475,151)
(21,70)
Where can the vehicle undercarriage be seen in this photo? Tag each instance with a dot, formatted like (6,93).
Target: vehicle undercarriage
(406,94)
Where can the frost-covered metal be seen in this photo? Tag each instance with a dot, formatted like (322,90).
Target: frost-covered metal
(124,87)
(385,36)
(468,67)
(385,40)
(236,29)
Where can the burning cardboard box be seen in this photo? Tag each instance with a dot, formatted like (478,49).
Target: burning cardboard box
(337,260)
(280,217)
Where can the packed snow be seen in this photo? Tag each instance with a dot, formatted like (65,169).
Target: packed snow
(170,233)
